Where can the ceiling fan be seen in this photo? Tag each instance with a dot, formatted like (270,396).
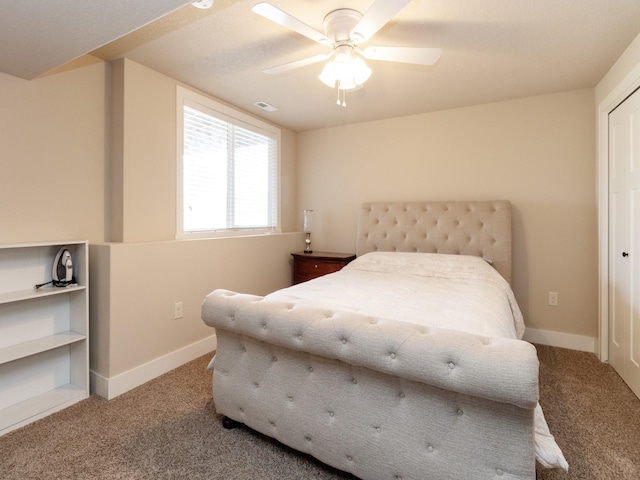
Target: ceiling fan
(345,30)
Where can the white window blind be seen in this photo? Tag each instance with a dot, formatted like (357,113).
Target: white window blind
(229,174)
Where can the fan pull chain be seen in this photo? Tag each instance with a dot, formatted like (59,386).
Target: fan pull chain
(342,102)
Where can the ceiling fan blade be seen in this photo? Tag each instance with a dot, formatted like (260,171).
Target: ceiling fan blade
(297,64)
(416,55)
(379,13)
(276,15)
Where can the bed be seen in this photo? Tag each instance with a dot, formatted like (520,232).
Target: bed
(406,364)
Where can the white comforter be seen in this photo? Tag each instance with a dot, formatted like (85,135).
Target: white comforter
(457,292)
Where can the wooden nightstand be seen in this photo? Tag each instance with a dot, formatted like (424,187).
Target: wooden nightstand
(307,266)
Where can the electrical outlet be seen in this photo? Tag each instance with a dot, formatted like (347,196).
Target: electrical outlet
(553,299)
(177,310)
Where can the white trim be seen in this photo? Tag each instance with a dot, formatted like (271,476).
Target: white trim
(621,91)
(179,159)
(559,339)
(112,387)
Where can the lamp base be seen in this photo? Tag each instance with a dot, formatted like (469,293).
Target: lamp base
(307,243)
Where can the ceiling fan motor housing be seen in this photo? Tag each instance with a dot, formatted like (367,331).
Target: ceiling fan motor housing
(339,24)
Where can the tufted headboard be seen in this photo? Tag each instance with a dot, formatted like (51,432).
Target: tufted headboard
(468,228)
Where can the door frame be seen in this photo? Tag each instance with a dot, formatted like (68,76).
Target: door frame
(615,97)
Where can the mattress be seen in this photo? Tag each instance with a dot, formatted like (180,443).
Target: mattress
(458,292)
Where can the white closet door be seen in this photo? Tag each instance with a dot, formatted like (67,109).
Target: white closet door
(624,241)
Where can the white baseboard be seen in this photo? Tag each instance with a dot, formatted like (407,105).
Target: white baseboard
(112,387)
(559,339)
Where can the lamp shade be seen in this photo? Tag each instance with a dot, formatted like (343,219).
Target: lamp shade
(346,71)
(308,221)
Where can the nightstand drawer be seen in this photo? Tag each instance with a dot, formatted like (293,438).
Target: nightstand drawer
(314,268)
(307,266)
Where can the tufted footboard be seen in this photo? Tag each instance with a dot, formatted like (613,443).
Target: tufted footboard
(376,398)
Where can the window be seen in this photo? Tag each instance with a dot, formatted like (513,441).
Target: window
(227,170)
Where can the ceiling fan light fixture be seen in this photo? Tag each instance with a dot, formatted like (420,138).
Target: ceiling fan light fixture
(345,71)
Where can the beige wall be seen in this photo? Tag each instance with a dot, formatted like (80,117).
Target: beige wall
(140,282)
(536,152)
(53,151)
(144,154)
(144,271)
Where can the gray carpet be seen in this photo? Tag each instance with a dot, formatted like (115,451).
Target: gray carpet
(167,429)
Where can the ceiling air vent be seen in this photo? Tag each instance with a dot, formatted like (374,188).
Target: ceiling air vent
(265,106)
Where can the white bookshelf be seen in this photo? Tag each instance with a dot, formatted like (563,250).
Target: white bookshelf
(44,333)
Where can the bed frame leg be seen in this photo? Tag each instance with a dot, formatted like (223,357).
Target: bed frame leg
(230,424)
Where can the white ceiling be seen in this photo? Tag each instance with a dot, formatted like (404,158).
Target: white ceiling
(492,50)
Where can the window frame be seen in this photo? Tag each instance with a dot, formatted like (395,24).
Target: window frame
(186,97)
